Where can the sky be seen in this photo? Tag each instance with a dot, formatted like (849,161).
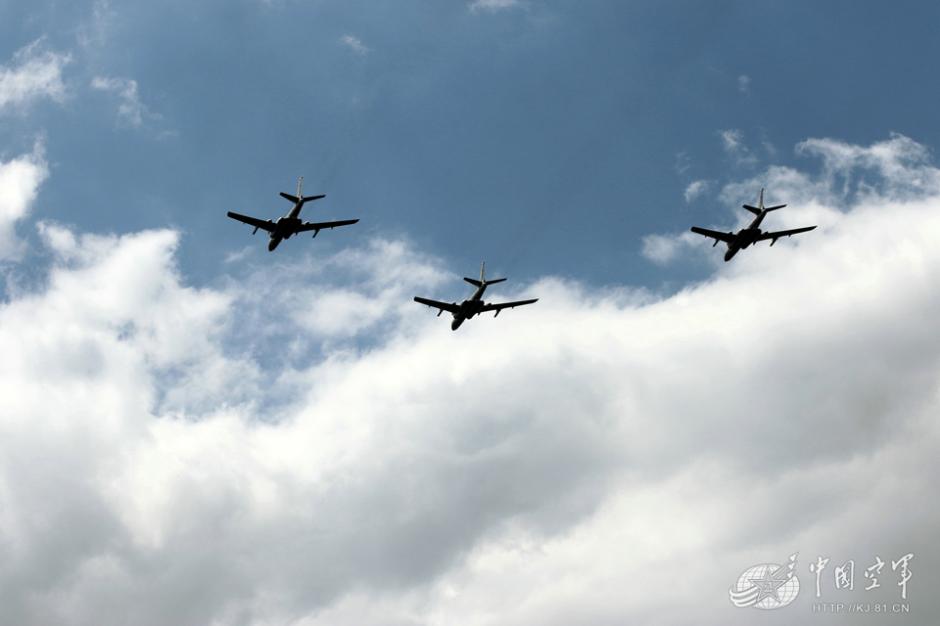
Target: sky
(194,430)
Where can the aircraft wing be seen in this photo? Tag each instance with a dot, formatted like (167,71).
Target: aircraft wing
(505,305)
(252,221)
(714,234)
(450,307)
(783,233)
(321,225)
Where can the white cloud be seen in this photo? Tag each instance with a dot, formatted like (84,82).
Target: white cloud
(34,74)
(355,44)
(744,84)
(168,458)
(696,189)
(20,179)
(493,5)
(664,249)
(899,164)
(896,169)
(94,31)
(683,162)
(732,140)
(131,111)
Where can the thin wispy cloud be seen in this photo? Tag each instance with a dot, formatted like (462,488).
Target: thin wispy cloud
(732,141)
(493,5)
(744,84)
(34,74)
(696,189)
(131,111)
(355,44)
(94,30)
(683,162)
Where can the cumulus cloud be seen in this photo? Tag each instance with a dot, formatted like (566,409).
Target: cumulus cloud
(897,168)
(604,456)
(20,179)
(664,249)
(131,111)
(34,74)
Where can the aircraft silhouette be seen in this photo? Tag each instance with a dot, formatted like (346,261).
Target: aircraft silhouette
(752,234)
(474,305)
(291,224)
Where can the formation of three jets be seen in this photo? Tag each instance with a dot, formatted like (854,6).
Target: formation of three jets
(289,225)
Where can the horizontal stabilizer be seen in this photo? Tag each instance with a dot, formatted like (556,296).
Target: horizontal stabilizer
(311,198)
(774,208)
(752,209)
(477,283)
(287,196)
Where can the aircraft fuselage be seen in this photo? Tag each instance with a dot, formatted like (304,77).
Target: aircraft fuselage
(745,237)
(468,308)
(285,227)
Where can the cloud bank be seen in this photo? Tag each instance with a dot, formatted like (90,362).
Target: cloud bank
(320,450)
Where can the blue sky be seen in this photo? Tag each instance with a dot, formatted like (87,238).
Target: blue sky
(546,137)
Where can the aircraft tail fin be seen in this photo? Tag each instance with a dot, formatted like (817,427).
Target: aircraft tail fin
(299,196)
(483,281)
(760,208)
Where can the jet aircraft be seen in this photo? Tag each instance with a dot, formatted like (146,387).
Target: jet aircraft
(752,234)
(475,304)
(291,224)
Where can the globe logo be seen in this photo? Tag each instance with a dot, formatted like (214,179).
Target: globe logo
(766,586)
